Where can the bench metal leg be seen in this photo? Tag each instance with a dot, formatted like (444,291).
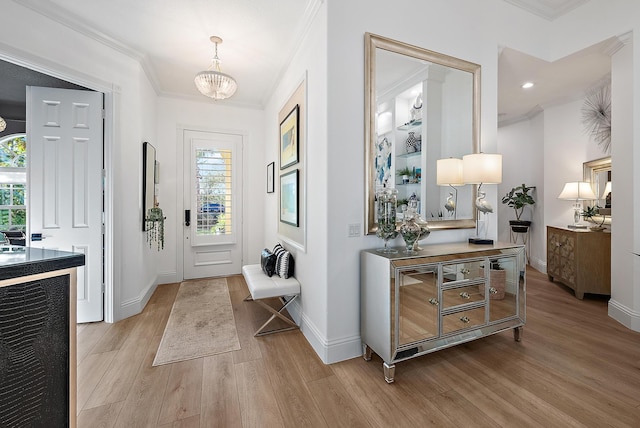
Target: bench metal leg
(276,314)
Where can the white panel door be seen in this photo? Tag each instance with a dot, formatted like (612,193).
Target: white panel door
(64,164)
(212,201)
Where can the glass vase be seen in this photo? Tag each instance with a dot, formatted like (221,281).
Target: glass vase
(386,211)
(412,210)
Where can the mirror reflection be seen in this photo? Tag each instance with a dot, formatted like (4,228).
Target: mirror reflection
(422,106)
(598,173)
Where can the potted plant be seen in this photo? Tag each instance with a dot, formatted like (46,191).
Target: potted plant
(518,198)
(590,214)
(406,173)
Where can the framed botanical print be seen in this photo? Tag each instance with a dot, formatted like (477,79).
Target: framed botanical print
(289,198)
(289,140)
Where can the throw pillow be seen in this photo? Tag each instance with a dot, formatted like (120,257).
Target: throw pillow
(285,264)
(268,261)
(278,249)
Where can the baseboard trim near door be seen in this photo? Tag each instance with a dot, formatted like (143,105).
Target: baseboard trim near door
(134,306)
(167,278)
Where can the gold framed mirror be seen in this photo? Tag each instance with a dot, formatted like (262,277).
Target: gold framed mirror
(421,106)
(598,173)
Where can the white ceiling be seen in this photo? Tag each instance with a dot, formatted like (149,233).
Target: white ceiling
(564,80)
(170,38)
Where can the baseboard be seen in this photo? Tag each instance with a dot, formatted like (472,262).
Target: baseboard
(167,278)
(624,315)
(539,265)
(134,306)
(329,352)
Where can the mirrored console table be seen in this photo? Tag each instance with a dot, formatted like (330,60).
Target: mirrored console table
(439,297)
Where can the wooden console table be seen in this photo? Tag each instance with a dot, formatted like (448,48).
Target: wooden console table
(580,259)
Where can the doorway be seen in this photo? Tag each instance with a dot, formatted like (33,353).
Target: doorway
(13,106)
(212,204)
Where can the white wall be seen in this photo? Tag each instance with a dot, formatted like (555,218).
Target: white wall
(208,115)
(624,305)
(522,148)
(469,30)
(56,49)
(310,62)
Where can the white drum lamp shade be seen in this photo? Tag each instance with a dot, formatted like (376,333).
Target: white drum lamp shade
(449,172)
(482,168)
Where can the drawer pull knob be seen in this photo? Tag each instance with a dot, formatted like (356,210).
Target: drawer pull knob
(465,319)
(493,290)
(464,295)
(433,301)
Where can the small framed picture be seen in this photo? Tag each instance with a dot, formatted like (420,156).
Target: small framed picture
(289,139)
(270,174)
(289,198)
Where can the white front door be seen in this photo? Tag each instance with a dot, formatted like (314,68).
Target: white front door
(212,195)
(64,181)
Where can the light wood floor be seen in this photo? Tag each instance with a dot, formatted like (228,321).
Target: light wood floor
(575,367)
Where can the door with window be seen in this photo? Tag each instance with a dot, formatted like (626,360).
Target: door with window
(212,202)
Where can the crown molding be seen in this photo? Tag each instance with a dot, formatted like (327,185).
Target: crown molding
(75,23)
(617,43)
(548,10)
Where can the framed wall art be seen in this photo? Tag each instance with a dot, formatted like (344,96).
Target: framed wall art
(289,138)
(289,198)
(291,144)
(270,176)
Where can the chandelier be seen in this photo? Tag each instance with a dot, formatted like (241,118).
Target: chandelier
(214,83)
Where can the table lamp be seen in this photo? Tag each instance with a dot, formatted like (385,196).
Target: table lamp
(449,173)
(577,191)
(482,168)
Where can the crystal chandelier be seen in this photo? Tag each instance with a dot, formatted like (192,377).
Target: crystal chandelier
(212,82)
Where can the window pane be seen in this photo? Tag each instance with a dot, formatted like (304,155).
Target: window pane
(5,194)
(213,191)
(18,217)
(4,219)
(18,194)
(13,152)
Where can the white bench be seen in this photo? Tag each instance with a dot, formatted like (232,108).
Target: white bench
(262,286)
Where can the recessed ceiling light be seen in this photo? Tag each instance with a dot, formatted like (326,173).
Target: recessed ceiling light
(527,85)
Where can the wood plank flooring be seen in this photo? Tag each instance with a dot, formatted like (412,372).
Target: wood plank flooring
(575,367)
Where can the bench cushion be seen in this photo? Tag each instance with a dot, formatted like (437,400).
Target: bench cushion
(261,286)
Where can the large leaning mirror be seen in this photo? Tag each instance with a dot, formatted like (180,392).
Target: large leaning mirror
(421,106)
(598,173)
